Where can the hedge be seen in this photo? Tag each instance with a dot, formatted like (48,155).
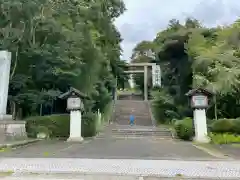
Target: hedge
(221,131)
(226,126)
(184,128)
(59,125)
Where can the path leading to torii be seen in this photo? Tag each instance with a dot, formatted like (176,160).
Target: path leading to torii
(111,148)
(132,158)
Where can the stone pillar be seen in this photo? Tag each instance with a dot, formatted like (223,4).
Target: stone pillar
(153,74)
(116,91)
(5,64)
(75,126)
(9,129)
(145,83)
(200,125)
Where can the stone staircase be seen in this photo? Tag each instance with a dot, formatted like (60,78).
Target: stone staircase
(133,132)
(122,131)
(143,128)
(139,109)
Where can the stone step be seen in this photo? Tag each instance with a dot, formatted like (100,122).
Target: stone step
(137,122)
(128,103)
(122,135)
(136,119)
(138,110)
(124,116)
(134,137)
(136,129)
(135,110)
(128,132)
(141,111)
(143,133)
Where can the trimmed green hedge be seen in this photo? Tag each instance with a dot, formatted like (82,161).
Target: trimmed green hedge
(59,125)
(221,131)
(184,128)
(226,126)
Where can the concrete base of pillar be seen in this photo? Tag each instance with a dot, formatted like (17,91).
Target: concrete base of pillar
(6,117)
(205,139)
(11,129)
(75,139)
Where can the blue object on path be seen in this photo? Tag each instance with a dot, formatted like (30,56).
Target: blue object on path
(131,120)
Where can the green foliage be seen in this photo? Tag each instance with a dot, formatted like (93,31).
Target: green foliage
(57,126)
(184,128)
(57,44)
(89,125)
(236,126)
(191,55)
(163,106)
(223,126)
(224,138)
(226,126)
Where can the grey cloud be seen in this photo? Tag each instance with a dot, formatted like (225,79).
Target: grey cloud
(142,23)
(209,12)
(135,33)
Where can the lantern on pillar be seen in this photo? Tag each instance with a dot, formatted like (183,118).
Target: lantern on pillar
(199,99)
(75,106)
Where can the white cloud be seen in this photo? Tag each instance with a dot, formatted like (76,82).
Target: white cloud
(144,18)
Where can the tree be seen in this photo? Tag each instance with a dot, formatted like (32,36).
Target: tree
(191,55)
(144,52)
(58,44)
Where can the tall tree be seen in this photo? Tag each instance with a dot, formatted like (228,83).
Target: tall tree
(60,44)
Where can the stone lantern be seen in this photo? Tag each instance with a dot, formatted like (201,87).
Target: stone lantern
(75,106)
(199,99)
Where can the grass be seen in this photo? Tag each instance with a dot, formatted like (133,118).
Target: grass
(235,145)
(6,173)
(5,149)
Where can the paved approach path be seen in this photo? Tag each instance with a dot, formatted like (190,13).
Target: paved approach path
(141,148)
(128,157)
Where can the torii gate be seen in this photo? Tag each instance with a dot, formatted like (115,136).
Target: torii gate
(156,74)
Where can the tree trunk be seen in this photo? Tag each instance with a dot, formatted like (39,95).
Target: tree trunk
(14,109)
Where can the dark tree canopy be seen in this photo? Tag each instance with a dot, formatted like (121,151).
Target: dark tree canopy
(59,44)
(192,56)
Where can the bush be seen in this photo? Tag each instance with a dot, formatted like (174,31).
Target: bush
(236,126)
(184,128)
(222,126)
(163,106)
(89,125)
(224,138)
(59,125)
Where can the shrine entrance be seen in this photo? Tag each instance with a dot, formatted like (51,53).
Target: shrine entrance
(134,68)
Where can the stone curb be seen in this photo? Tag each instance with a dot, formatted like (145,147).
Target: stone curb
(86,176)
(124,167)
(212,152)
(17,144)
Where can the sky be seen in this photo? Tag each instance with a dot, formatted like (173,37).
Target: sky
(144,18)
